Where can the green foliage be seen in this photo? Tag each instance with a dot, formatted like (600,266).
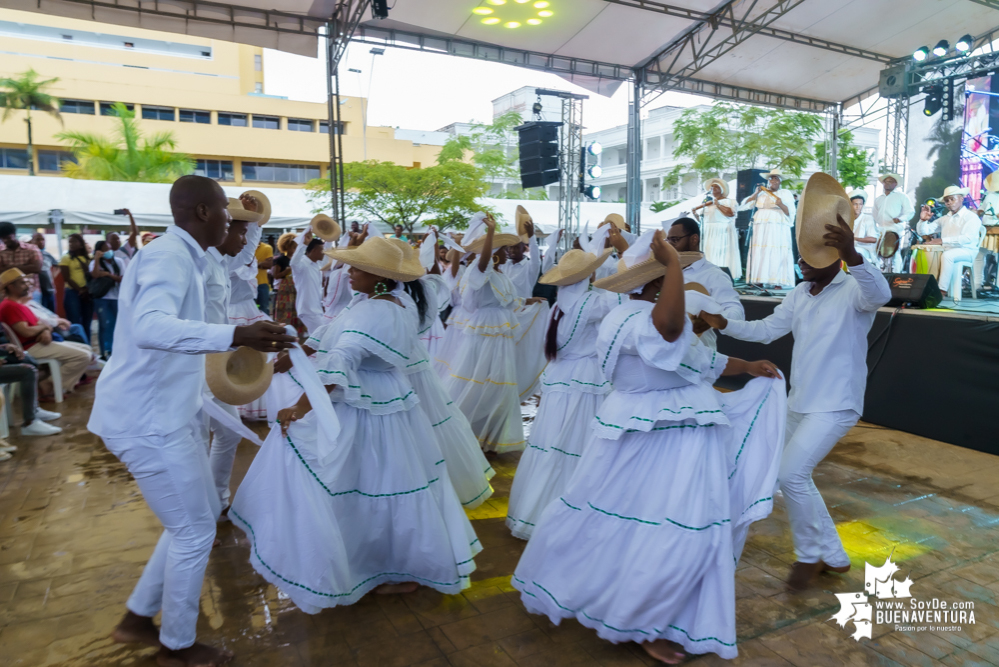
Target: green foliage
(945,146)
(27,92)
(127,155)
(853,165)
(731,137)
(659,206)
(443,195)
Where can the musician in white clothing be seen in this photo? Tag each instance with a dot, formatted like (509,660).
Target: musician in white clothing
(960,232)
(865,229)
(892,212)
(771,261)
(721,238)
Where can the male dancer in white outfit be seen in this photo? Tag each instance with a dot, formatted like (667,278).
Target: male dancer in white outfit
(305,269)
(147,410)
(893,211)
(829,315)
(960,231)
(685,236)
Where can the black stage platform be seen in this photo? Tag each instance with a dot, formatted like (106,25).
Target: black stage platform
(934,374)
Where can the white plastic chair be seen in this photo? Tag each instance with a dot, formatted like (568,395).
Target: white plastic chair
(976,266)
(54,369)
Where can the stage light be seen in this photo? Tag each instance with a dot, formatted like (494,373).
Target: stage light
(512,24)
(546,13)
(964,44)
(521,2)
(491,20)
(482,11)
(534,21)
(934,100)
(920,54)
(541,4)
(595,149)
(593,191)
(931,203)
(595,171)
(496,2)
(941,48)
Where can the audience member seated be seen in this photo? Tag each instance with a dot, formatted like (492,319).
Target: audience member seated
(18,368)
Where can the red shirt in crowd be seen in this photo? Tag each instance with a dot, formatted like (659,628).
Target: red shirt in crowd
(12,312)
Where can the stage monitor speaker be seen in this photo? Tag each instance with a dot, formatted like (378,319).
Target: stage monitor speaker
(539,161)
(914,289)
(891,82)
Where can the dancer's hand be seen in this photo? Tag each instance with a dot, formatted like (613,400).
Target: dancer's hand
(699,324)
(714,321)
(287,416)
(263,337)
(615,239)
(283,363)
(762,369)
(664,253)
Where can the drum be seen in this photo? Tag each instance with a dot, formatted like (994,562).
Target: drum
(927,259)
(991,242)
(888,245)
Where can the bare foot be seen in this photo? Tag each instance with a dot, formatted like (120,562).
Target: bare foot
(392,589)
(135,629)
(198,655)
(217,543)
(664,650)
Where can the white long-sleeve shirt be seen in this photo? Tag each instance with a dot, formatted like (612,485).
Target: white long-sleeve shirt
(243,267)
(895,205)
(525,273)
(153,383)
(217,288)
(721,289)
(960,230)
(309,288)
(829,358)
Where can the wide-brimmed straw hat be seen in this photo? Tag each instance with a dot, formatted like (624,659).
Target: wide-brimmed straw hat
(9,276)
(325,228)
(500,240)
(238,377)
(991,182)
(265,204)
(890,174)
(629,278)
(772,172)
(388,258)
(238,212)
(523,217)
(283,240)
(858,194)
(575,265)
(952,190)
(696,287)
(615,219)
(821,201)
(720,183)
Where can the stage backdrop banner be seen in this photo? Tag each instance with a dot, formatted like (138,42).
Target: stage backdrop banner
(935,378)
(980,141)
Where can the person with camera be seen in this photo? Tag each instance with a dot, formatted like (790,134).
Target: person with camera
(106,272)
(125,251)
(76,299)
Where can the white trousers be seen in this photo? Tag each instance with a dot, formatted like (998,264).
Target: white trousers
(947,264)
(175,479)
(222,454)
(808,439)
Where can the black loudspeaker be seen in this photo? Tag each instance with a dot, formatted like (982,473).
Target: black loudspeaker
(914,289)
(379,9)
(539,163)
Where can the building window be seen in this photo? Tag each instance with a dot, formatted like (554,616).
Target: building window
(258,63)
(157,113)
(107,108)
(220,170)
(13,158)
(52,160)
(300,125)
(192,116)
(258,87)
(274,172)
(234,119)
(339,128)
(77,106)
(267,122)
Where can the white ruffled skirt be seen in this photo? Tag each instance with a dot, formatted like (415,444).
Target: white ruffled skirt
(721,246)
(530,336)
(770,260)
(327,537)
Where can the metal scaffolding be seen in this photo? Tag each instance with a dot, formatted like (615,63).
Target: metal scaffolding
(570,148)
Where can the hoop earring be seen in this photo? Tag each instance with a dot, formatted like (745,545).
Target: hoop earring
(381,289)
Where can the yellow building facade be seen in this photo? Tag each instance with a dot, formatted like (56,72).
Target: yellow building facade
(208,93)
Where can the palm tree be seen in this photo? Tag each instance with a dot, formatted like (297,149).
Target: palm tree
(127,156)
(28,92)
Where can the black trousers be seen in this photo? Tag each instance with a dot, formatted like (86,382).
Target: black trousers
(26,376)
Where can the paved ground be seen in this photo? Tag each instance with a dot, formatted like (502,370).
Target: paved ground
(74,534)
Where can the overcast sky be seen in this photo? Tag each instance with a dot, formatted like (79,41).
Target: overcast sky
(425,91)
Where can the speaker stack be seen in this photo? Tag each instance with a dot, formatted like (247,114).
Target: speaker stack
(746,181)
(539,165)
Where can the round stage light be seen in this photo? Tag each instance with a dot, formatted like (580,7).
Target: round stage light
(595,171)
(920,54)
(595,149)
(534,21)
(512,24)
(496,2)
(541,4)
(491,20)
(521,2)
(963,45)
(482,11)
(941,48)
(593,191)
(546,13)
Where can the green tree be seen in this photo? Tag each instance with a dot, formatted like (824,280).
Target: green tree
(127,155)
(494,151)
(731,137)
(443,195)
(27,92)
(853,165)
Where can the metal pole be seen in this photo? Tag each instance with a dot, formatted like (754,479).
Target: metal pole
(331,122)
(834,144)
(633,172)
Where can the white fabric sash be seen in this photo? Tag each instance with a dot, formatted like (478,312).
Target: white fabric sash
(215,411)
(428,251)
(328,424)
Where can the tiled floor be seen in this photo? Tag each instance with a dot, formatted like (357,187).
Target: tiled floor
(74,534)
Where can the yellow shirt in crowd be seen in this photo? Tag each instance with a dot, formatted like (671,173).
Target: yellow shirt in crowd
(76,266)
(264,251)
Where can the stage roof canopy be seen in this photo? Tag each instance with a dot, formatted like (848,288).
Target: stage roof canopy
(804,54)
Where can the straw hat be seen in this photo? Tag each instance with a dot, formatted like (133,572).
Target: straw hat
(500,240)
(325,228)
(858,194)
(952,190)
(627,279)
(9,276)
(388,258)
(821,201)
(238,377)
(265,213)
(615,219)
(882,177)
(575,266)
(523,217)
(237,211)
(772,172)
(282,242)
(720,183)
(697,287)
(992,182)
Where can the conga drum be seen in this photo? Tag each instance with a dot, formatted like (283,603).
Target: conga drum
(928,259)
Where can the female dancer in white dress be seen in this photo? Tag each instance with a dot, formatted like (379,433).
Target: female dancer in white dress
(572,388)
(482,370)
(351,492)
(719,237)
(771,261)
(642,545)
